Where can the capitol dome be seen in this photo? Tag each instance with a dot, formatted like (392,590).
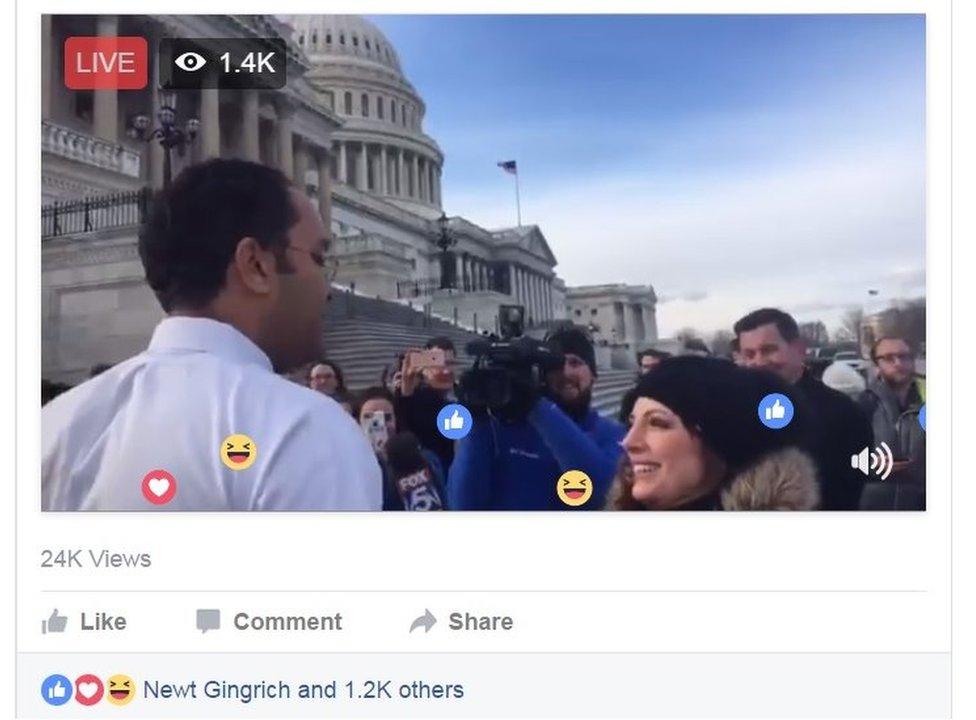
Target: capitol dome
(381,148)
(322,37)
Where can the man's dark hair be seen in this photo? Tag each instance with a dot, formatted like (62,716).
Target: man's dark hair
(377,392)
(340,380)
(98,369)
(442,342)
(659,354)
(784,322)
(889,338)
(195,225)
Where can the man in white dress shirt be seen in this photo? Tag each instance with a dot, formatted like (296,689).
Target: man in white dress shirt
(239,261)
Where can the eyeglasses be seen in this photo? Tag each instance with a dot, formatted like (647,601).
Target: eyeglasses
(893,357)
(330,263)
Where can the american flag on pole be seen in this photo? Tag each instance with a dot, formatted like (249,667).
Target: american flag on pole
(509,166)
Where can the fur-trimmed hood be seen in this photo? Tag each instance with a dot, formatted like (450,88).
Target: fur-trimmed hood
(781,480)
(784,479)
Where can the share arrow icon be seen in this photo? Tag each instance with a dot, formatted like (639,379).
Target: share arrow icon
(426,621)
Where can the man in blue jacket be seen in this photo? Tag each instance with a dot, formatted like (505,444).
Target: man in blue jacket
(515,466)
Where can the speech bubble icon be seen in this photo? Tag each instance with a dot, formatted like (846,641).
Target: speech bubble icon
(208,620)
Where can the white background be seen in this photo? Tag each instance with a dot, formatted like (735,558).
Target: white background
(902,559)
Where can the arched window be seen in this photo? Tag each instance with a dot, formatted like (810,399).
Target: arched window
(364,104)
(348,103)
(392,110)
(342,38)
(355,41)
(379,107)
(315,39)
(367,44)
(301,39)
(328,38)
(403,115)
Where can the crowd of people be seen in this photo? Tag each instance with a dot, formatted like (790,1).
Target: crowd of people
(240,262)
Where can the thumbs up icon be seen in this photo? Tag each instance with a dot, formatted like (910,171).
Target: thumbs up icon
(454,421)
(776,412)
(55,624)
(56,691)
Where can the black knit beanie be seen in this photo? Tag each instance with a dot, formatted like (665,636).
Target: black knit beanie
(573,340)
(720,402)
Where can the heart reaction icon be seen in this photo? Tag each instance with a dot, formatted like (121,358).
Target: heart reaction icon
(89,689)
(159,487)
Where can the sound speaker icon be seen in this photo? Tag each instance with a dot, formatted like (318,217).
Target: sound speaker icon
(879,462)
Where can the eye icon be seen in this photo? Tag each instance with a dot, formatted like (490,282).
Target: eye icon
(190,61)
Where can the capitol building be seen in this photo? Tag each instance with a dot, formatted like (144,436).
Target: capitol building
(348,127)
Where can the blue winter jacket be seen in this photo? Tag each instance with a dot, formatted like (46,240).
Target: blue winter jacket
(515,467)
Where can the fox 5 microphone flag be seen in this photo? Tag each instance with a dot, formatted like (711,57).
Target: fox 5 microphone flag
(509,166)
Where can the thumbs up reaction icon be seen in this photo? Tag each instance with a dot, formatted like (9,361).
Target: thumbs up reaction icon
(454,421)
(775,411)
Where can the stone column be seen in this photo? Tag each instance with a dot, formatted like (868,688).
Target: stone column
(384,170)
(250,134)
(534,297)
(283,129)
(361,178)
(106,115)
(541,298)
(373,161)
(511,280)
(415,174)
(325,188)
(459,280)
(47,52)
(537,295)
(210,123)
(303,163)
(400,186)
(628,323)
(343,164)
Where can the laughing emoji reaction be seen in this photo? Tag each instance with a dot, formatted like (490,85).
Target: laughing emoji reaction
(574,488)
(121,689)
(238,452)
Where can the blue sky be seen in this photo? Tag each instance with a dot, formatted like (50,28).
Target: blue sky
(729,161)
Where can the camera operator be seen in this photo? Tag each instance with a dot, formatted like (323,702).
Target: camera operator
(513,457)
(412,476)
(425,387)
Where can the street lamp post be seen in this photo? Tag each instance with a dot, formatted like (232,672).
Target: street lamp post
(168,134)
(445,242)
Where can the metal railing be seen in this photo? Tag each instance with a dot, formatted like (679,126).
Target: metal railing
(123,209)
(423,287)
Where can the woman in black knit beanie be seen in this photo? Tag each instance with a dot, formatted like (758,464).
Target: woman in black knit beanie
(696,443)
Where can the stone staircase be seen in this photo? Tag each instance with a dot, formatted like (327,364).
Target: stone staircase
(364,347)
(364,335)
(610,388)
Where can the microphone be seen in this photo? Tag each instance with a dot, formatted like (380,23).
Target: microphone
(403,454)
(412,478)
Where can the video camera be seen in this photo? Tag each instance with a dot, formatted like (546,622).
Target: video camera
(509,374)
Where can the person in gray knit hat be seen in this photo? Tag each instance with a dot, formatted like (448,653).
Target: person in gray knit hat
(696,443)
